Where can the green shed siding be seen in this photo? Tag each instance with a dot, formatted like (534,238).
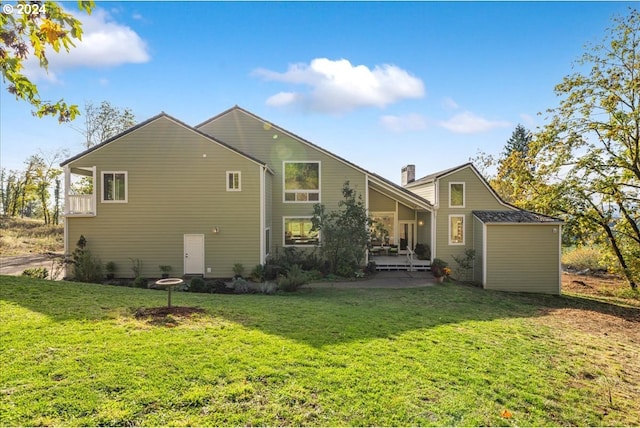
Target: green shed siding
(173,189)
(523,257)
(265,142)
(477,197)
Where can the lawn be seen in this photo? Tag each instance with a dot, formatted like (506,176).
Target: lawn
(76,354)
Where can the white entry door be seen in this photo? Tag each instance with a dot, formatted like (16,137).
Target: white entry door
(194,254)
(407,235)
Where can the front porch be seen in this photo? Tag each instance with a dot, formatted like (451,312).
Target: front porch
(402,262)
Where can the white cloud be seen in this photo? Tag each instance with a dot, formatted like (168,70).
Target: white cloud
(470,123)
(529,121)
(410,122)
(449,104)
(104,44)
(338,86)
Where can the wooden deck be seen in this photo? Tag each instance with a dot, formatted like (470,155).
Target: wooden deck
(400,262)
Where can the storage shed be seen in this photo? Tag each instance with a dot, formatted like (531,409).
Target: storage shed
(517,251)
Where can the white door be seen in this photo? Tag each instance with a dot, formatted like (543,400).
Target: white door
(194,254)
(407,235)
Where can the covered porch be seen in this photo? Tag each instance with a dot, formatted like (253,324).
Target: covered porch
(80,191)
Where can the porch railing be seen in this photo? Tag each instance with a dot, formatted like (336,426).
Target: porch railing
(80,204)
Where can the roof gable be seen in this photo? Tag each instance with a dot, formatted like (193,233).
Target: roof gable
(149,121)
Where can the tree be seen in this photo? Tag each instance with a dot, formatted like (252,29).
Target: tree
(589,153)
(29,28)
(344,232)
(103,122)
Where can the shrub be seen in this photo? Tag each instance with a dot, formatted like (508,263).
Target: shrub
(294,279)
(581,258)
(140,282)
(258,273)
(423,251)
(371,267)
(267,287)
(111,268)
(136,267)
(238,270)
(86,267)
(241,286)
(38,272)
(198,285)
(464,264)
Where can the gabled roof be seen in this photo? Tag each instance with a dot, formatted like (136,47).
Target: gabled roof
(519,216)
(439,174)
(407,193)
(151,120)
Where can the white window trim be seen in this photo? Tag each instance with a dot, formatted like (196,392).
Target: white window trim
(284,220)
(464,231)
(464,194)
(285,191)
(126,187)
(230,189)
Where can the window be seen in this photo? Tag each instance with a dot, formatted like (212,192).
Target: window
(233,181)
(114,186)
(456,230)
(383,228)
(302,182)
(297,231)
(456,195)
(267,241)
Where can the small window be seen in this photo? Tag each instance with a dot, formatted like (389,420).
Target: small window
(302,182)
(456,230)
(267,241)
(233,181)
(456,195)
(114,186)
(298,231)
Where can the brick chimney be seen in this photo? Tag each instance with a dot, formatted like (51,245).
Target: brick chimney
(408,174)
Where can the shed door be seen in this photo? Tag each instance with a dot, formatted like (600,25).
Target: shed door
(194,254)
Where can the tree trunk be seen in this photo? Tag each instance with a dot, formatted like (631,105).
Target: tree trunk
(620,256)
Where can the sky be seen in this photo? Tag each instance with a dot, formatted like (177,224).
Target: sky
(381,84)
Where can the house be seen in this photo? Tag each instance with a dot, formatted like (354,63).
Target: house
(233,188)
(515,250)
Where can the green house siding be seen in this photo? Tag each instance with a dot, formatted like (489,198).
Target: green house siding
(265,142)
(523,258)
(477,197)
(380,203)
(176,186)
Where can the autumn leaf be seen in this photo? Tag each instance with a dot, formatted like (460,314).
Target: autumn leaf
(506,414)
(51,30)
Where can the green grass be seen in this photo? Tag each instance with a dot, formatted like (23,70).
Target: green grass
(74,354)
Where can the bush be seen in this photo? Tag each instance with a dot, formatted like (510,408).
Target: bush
(423,251)
(581,258)
(371,267)
(267,288)
(294,279)
(241,286)
(198,285)
(86,268)
(437,267)
(140,282)
(238,270)
(39,273)
(258,273)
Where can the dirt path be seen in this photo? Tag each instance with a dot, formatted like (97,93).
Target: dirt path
(15,265)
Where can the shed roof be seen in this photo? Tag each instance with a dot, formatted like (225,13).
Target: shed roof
(514,216)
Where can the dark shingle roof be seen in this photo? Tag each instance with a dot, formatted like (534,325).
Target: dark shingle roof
(514,216)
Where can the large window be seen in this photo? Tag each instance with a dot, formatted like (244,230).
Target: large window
(456,230)
(302,181)
(297,231)
(114,186)
(233,181)
(383,228)
(456,195)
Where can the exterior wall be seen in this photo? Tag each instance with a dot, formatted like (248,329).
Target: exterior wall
(423,234)
(523,257)
(424,190)
(477,197)
(262,141)
(172,190)
(406,213)
(478,243)
(381,203)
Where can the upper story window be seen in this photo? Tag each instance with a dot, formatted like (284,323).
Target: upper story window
(456,195)
(301,181)
(114,186)
(233,181)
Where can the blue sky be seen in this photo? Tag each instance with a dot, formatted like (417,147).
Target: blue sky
(381,84)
